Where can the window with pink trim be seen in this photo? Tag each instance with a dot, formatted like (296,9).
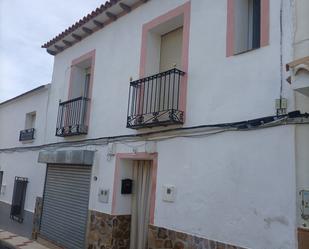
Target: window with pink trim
(158,97)
(73,114)
(247,25)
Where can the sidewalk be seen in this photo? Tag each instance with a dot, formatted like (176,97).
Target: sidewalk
(18,242)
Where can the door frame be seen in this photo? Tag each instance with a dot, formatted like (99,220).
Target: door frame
(153,157)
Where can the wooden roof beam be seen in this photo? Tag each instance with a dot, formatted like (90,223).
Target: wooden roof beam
(77,37)
(59,48)
(51,52)
(111,16)
(87,30)
(125,7)
(67,43)
(98,24)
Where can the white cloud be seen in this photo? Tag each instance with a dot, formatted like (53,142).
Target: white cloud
(24,26)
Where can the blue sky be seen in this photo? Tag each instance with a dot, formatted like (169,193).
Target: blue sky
(24,26)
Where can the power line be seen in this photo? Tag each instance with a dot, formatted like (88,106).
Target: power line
(291,118)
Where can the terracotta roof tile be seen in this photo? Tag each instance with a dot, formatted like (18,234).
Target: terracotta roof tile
(82,21)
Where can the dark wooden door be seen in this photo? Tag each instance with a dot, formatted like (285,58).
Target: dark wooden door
(303,238)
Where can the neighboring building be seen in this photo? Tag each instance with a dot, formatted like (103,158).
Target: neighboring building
(144,140)
(300,83)
(22,125)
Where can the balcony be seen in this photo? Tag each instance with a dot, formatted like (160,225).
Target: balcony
(26,135)
(72,117)
(154,100)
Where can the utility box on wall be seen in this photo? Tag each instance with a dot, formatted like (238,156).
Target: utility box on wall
(103,195)
(169,193)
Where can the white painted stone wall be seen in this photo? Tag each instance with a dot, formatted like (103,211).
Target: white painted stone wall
(301,49)
(237,187)
(301,39)
(23,164)
(13,117)
(301,150)
(220,89)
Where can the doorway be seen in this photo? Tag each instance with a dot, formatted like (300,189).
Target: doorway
(171,50)
(140,203)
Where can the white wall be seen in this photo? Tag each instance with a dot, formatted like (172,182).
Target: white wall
(301,49)
(124,201)
(13,118)
(302,163)
(23,164)
(220,89)
(301,29)
(302,155)
(237,187)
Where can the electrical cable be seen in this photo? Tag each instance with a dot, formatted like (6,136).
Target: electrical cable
(291,118)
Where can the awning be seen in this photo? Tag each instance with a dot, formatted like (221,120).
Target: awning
(76,157)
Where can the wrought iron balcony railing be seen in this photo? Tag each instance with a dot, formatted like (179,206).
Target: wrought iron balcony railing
(154,100)
(72,115)
(26,135)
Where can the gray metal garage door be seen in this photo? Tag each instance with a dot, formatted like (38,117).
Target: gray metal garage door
(65,205)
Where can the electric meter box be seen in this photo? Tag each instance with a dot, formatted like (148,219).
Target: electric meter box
(126,186)
(169,193)
(305,202)
(103,195)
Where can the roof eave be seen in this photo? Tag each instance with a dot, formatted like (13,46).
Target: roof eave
(98,19)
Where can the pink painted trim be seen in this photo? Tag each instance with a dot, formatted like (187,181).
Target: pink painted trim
(90,55)
(185,10)
(142,65)
(138,156)
(265,11)
(230,25)
(185,58)
(230,28)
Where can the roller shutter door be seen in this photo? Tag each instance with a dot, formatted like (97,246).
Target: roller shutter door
(65,205)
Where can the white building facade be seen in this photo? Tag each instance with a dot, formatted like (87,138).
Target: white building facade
(144,144)
(23,124)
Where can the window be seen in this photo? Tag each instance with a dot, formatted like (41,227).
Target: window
(74,114)
(80,84)
(27,135)
(18,200)
(247,25)
(82,71)
(30,120)
(171,50)
(158,97)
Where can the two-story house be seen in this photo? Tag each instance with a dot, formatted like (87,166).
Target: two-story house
(22,127)
(167,127)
